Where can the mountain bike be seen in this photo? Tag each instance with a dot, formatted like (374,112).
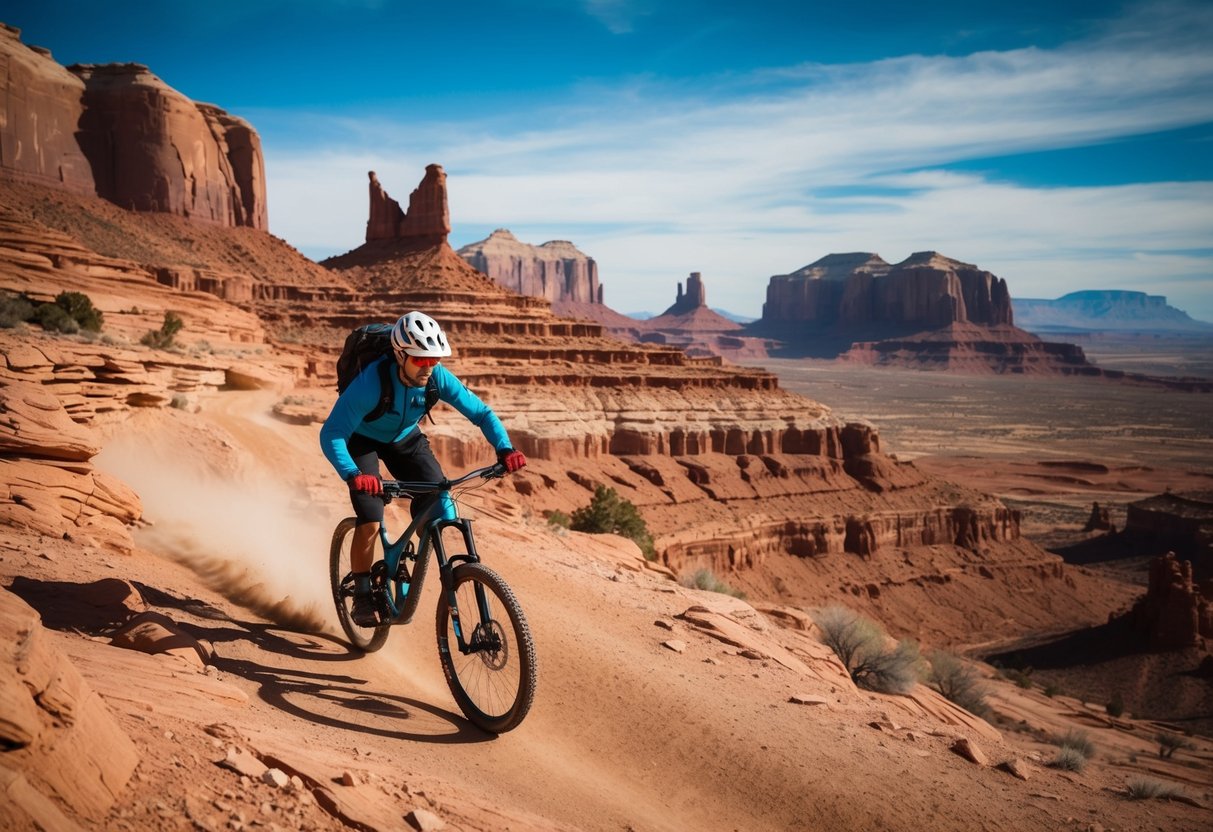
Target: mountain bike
(484,642)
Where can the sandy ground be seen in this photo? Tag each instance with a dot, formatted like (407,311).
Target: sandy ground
(625,733)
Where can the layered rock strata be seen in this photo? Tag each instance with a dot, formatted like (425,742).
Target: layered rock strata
(926,290)
(1182,521)
(58,736)
(120,132)
(555,271)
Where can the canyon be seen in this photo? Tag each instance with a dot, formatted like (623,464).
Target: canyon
(773,491)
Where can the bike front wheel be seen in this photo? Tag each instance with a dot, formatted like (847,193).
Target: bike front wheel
(341,578)
(491,671)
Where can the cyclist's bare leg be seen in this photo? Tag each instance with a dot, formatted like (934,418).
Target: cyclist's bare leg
(362,546)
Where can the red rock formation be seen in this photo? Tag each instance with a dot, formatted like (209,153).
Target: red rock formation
(925,290)
(427,221)
(40,107)
(120,132)
(691,326)
(1174,612)
(555,270)
(1100,520)
(152,149)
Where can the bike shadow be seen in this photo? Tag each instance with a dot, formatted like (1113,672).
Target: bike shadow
(288,689)
(97,609)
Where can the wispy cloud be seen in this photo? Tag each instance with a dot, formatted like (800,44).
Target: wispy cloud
(655,180)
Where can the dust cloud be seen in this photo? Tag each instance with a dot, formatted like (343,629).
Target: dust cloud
(253,540)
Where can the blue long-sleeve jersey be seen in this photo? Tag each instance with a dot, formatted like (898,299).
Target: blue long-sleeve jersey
(408,406)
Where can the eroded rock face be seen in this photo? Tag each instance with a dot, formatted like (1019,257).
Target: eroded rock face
(40,108)
(1174,613)
(427,221)
(555,270)
(926,290)
(152,149)
(120,132)
(59,737)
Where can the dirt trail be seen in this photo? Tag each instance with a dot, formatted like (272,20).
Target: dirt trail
(624,733)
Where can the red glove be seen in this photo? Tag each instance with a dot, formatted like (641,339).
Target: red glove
(512,460)
(366,483)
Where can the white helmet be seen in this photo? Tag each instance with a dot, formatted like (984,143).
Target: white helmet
(419,335)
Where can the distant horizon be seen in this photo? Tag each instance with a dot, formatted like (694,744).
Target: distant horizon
(1062,147)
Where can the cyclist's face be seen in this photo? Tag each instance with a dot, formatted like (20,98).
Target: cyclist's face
(419,370)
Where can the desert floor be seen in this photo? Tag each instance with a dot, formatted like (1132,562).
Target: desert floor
(625,733)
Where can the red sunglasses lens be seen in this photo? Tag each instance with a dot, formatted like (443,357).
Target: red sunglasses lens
(425,362)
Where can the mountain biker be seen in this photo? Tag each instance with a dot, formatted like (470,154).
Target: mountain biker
(355,446)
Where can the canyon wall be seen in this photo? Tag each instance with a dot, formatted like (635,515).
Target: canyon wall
(926,290)
(555,270)
(118,131)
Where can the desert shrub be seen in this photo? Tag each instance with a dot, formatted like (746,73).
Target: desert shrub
(958,681)
(558,520)
(1051,690)
(1145,788)
(860,644)
(14,309)
(1079,742)
(1068,759)
(608,513)
(1168,743)
(162,339)
(80,307)
(54,318)
(1116,705)
(706,579)
(179,402)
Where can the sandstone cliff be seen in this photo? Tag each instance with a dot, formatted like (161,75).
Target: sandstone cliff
(555,270)
(926,290)
(120,132)
(427,221)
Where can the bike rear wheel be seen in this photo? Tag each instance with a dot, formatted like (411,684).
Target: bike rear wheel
(366,639)
(494,683)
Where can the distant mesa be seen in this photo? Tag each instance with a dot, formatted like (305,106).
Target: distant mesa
(1106,310)
(119,132)
(859,289)
(556,270)
(697,329)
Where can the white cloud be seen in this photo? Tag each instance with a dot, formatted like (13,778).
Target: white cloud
(655,182)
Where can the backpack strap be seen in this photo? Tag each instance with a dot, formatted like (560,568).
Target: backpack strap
(386,392)
(431,399)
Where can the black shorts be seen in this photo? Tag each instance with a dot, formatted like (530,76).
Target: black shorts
(409,459)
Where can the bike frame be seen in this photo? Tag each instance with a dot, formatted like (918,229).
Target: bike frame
(404,596)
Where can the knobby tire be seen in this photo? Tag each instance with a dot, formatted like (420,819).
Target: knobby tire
(494,689)
(366,639)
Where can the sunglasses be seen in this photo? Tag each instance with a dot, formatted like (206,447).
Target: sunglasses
(424,362)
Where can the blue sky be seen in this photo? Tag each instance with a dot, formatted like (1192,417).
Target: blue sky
(1061,145)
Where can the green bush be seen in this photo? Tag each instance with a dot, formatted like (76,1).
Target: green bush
(54,318)
(558,520)
(80,307)
(958,681)
(608,513)
(860,644)
(706,579)
(1051,690)
(162,338)
(14,309)
(1116,705)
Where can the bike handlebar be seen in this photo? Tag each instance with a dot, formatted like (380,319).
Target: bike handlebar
(402,488)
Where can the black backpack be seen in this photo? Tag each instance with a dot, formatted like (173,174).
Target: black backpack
(362,348)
